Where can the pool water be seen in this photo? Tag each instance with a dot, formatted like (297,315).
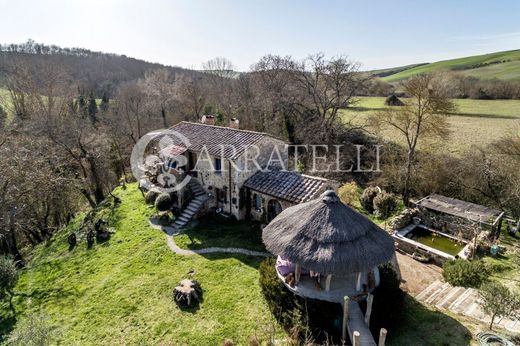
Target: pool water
(435,240)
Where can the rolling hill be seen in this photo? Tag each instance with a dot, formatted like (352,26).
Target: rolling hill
(500,65)
(99,71)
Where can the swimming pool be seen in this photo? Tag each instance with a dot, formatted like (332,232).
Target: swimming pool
(435,240)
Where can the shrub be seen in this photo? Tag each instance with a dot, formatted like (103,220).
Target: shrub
(367,198)
(388,304)
(464,273)
(281,301)
(164,219)
(150,197)
(8,274)
(385,204)
(33,329)
(163,202)
(303,318)
(348,193)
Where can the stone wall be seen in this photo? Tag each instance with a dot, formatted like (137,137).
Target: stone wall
(233,174)
(260,214)
(451,224)
(407,247)
(444,223)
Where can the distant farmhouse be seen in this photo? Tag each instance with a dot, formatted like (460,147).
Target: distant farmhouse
(224,179)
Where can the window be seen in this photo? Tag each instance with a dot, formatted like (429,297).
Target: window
(257,201)
(218,166)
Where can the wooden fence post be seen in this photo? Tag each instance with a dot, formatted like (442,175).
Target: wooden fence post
(358,282)
(345,319)
(370,298)
(297,272)
(382,337)
(355,338)
(327,282)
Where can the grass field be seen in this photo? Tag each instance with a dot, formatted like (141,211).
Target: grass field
(207,233)
(474,123)
(501,65)
(119,292)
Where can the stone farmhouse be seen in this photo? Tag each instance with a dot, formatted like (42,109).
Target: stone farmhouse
(236,173)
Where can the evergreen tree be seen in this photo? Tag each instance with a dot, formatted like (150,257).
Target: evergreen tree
(92,108)
(104,102)
(82,105)
(3,117)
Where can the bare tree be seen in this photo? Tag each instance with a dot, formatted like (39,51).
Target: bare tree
(498,300)
(161,91)
(221,76)
(130,102)
(422,116)
(193,96)
(330,85)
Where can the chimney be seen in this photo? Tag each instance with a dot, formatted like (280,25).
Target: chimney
(234,123)
(208,119)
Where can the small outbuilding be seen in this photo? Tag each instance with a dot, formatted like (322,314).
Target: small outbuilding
(331,250)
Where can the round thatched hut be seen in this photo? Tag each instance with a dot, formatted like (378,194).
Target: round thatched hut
(326,250)
(393,100)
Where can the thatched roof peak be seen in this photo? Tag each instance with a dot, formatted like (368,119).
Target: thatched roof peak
(326,236)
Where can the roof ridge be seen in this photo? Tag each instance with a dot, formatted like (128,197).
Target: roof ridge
(229,128)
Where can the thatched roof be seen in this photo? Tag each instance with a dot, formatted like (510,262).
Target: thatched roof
(393,100)
(326,236)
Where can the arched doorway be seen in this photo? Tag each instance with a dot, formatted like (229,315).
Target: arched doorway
(273,208)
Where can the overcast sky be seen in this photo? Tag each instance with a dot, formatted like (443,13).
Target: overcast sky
(186,33)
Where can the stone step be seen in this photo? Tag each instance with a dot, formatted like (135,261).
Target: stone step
(472,309)
(512,325)
(192,208)
(185,217)
(460,299)
(428,290)
(437,294)
(186,214)
(450,297)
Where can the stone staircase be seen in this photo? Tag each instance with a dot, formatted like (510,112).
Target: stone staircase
(464,301)
(200,196)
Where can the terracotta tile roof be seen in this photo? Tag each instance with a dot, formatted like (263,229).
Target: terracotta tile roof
(458,208)
(215,137)
(291,186)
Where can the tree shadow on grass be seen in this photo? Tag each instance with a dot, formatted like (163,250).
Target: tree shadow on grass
(7,323)
(251,261)
(422,325)
(194,307)
(41,295)
(212,232)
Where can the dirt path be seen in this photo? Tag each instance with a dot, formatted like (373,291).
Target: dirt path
(416,275)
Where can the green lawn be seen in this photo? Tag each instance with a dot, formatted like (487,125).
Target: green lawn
(119,292)
(209,232)
(475,122)
(506,265)
(428,327)
(502,65)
